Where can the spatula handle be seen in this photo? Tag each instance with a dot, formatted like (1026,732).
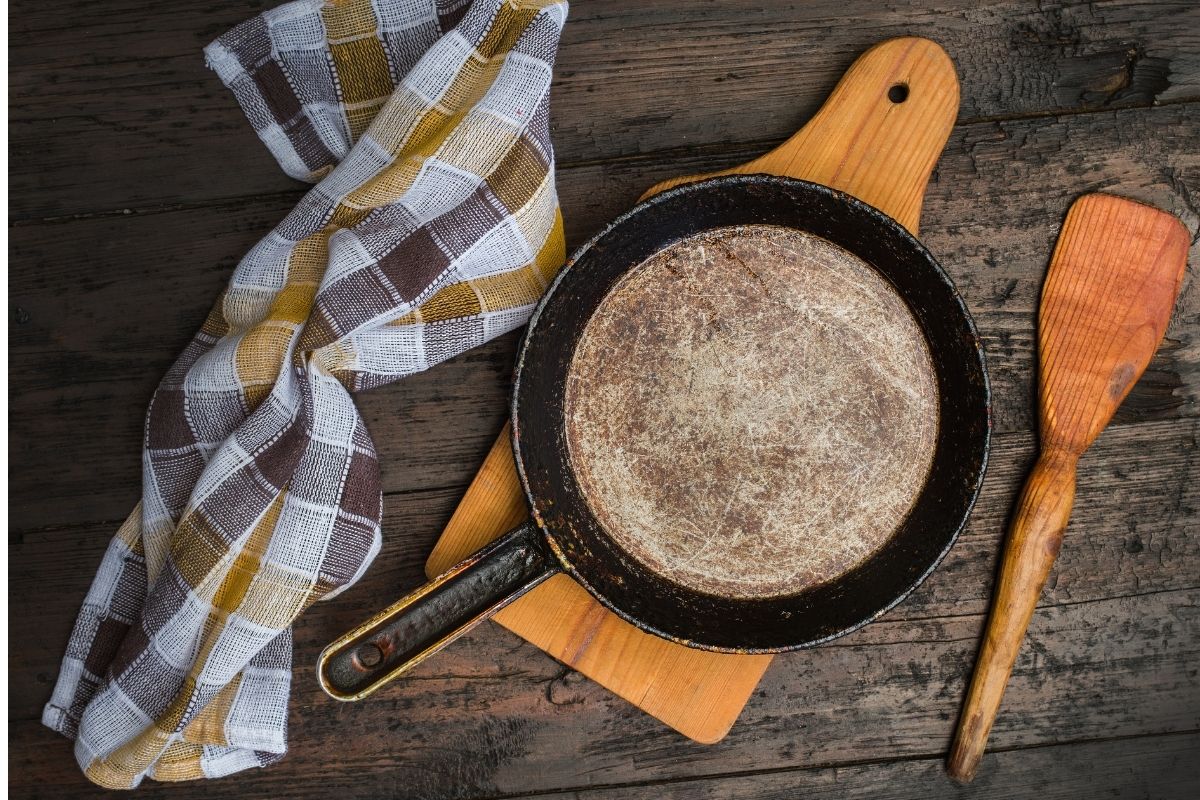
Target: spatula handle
(1033,542)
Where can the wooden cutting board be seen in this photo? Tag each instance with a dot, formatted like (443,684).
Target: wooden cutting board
(877,137)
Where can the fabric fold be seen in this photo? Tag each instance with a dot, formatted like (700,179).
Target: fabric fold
(433,226)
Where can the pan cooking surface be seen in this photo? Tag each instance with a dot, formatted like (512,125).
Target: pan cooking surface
(751,411)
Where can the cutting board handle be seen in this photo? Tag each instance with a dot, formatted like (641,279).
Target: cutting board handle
(878,135)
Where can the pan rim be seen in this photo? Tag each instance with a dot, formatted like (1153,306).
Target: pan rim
(856,206)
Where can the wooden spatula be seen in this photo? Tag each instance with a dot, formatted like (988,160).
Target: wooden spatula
(1108,295)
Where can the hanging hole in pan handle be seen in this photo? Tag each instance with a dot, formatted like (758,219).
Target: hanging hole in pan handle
(431,617)
(898,93)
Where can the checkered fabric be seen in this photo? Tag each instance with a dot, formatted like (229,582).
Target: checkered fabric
(433,227)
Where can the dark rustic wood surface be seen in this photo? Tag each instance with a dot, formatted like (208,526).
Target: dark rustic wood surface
(136,185)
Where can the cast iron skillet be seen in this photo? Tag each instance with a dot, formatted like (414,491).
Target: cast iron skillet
(565,535)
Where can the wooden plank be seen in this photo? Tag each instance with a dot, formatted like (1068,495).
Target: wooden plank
(112,109)
(116,110)
(1133,531)
(1111,652)
(86,344)
(492,717)
(1162,767)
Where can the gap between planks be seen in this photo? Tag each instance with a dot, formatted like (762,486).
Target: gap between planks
(461,487)
(715,149)
(831,765)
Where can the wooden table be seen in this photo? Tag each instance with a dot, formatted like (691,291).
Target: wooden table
(136,185)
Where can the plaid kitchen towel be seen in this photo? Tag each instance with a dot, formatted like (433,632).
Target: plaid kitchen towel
(433,227)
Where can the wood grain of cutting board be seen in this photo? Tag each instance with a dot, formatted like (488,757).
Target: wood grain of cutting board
(877,137)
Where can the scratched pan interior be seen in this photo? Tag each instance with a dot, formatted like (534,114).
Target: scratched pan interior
(819,612)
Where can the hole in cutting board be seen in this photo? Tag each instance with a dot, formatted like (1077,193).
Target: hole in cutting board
(898,93)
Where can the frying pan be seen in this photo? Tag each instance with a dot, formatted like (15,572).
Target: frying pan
(566,535)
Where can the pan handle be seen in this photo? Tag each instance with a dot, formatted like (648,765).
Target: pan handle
(429,618)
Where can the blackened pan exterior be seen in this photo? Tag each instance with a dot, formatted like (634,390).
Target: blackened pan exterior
(819,612)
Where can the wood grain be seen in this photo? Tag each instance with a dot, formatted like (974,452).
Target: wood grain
(85,353)
(127,82)
(1108,296)
(878,135)
(494,715)
(1136,516)
(887,161)
(1160,767)
(136,186)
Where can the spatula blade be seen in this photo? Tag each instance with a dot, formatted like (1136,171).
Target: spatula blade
(1112,283)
